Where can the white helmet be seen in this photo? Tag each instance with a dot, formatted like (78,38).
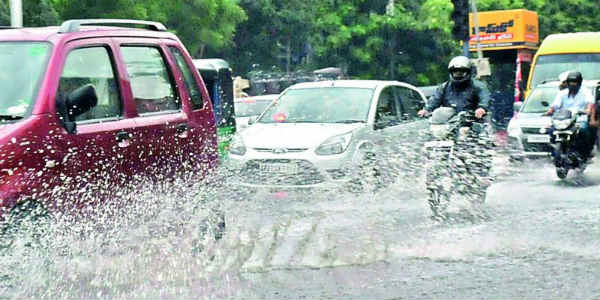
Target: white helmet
(563,76)
(460,63)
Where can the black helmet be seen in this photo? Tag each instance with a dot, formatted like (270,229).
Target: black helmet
(576,78)
(460,69)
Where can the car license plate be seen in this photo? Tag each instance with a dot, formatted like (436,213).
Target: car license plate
(538,138)
(439,144)
(281,168)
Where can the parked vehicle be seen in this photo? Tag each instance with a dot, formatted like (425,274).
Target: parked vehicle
(218,79)
(248,109)
(328,134)
(526,128)
(458,159)
(566,124)
(87,109)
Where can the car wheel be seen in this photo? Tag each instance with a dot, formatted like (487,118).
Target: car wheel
(29,219)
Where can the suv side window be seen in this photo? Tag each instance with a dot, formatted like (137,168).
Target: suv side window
(387,108)
(411,101)
(92,66)
(188,76)
(151,84)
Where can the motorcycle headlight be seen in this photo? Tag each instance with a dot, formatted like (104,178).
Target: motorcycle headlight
(237,146)
(439,131)
(335,144)
(562,124)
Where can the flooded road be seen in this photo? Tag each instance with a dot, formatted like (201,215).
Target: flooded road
(539,239)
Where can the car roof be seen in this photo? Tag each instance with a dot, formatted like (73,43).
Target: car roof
(269,97)
(56,34)
(354,83)
(210,63)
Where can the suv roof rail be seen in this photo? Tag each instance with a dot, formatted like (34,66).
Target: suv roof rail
(73,25)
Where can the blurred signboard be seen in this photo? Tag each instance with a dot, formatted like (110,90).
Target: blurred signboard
(505,29)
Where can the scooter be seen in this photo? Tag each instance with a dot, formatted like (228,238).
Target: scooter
(458,160)
(567,124)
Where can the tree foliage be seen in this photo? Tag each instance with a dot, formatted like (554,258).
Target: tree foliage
(411,42)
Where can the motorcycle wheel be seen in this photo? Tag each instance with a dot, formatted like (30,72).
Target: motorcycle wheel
(438,202)
(562,172)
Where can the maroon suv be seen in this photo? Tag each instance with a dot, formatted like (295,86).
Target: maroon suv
(92,104)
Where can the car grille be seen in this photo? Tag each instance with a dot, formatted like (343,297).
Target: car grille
(536,147)
(254,172)
(530,130)
(285,150)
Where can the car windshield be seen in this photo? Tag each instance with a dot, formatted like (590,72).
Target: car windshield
(320,105)
(535,101)
(250,107)
(548,67)
(23,64)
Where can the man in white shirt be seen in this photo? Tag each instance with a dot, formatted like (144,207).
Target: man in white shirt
(576,97)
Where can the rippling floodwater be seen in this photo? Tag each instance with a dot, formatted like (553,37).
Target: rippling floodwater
(539,240)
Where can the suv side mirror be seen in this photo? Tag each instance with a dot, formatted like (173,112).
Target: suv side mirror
(517,106)
(77,102)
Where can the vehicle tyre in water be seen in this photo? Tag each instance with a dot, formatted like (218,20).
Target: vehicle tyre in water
(29,220)
(561,172)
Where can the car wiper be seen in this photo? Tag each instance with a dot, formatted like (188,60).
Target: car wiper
(350,121)
(10,117)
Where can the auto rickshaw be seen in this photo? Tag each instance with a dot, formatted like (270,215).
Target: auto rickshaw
(218,79)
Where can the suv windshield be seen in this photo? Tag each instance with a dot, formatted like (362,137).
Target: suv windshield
(320,105)
(23,64)
(548,67)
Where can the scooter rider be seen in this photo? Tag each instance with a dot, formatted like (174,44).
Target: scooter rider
(576,97)
(461,92)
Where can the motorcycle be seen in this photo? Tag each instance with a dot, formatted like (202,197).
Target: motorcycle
(567,124)
(458,159)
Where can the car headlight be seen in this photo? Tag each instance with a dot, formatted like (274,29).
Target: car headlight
(335,144)
(513,129)
(237,146)
(562,124)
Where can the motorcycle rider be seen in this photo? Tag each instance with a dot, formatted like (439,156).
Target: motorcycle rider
(576,97)
(462,91)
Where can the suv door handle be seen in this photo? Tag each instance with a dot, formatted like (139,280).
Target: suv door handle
(181,130)
(123,139)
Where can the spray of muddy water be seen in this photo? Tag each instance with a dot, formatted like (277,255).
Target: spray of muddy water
(162,240)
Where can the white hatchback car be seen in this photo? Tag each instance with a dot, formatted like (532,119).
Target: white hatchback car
(316,133)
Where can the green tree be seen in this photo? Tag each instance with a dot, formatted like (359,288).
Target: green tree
(275,35)
(35,13)
(200,24)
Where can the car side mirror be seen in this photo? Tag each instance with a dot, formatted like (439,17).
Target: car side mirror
(517,106)
(252,120)
(381,124)
(77,102)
